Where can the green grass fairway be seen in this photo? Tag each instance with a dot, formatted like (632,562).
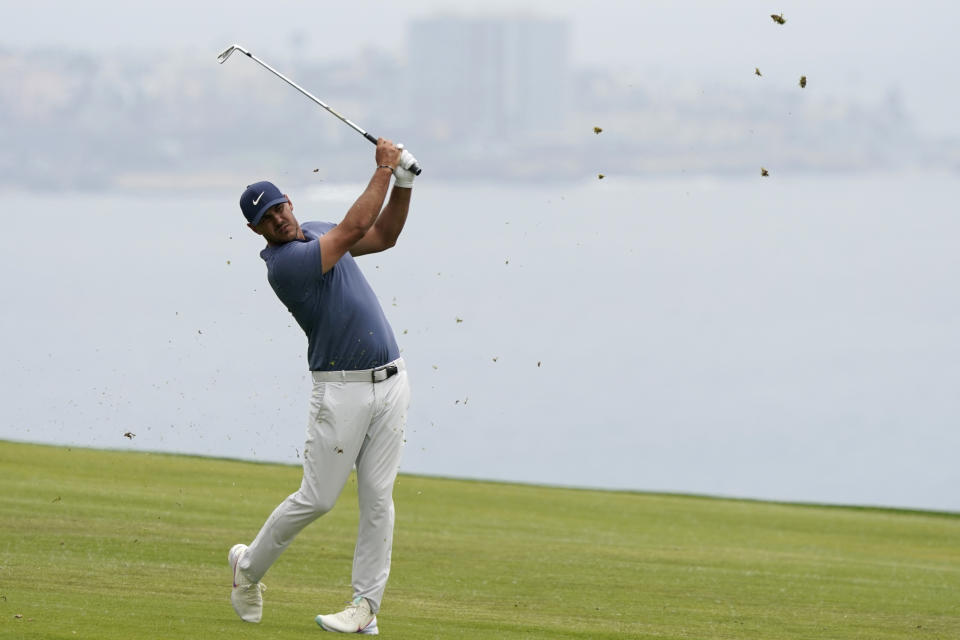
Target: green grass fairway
(133,546)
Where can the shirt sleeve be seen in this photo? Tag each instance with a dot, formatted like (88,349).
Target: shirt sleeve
(296,268)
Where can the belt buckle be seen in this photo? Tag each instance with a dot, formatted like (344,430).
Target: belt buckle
(387,372)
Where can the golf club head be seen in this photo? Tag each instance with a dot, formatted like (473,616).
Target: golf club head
(229,51)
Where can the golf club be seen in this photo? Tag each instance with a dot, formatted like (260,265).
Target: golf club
(406,159)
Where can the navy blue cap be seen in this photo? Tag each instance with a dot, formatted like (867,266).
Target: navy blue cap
(257,198)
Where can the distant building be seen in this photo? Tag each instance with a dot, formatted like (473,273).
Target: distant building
(484,77)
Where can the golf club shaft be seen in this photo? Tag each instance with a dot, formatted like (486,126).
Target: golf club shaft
(372,138)
(415,168)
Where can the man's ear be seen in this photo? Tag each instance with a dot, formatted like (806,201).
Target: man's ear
(254,229)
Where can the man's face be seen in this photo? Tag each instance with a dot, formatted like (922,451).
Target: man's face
(278,225)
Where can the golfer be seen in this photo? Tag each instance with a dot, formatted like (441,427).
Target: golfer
(358,408)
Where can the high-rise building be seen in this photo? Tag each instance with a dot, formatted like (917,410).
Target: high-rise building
(477,78)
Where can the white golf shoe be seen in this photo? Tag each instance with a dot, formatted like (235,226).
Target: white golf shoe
(356,618)
(247,597)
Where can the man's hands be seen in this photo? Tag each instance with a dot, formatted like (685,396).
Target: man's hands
(404,177)
(398,159)
(388,154)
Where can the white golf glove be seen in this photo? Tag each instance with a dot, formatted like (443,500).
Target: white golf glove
(403,177)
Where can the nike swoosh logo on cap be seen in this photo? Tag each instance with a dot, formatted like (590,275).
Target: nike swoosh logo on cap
(255,202)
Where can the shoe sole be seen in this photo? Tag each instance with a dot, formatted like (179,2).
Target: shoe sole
(233,557)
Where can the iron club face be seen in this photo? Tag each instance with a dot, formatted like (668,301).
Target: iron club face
(229,51)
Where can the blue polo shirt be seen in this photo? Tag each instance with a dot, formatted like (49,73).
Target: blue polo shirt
(344,322)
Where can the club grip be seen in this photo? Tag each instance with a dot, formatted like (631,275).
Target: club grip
(414,168)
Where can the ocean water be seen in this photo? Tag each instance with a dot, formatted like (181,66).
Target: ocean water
(787,338)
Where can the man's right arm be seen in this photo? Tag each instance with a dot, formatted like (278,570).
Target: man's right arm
(361,216)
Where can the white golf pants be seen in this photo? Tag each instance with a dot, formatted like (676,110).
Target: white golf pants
(350,422)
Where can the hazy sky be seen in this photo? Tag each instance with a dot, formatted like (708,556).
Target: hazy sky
(855,48)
